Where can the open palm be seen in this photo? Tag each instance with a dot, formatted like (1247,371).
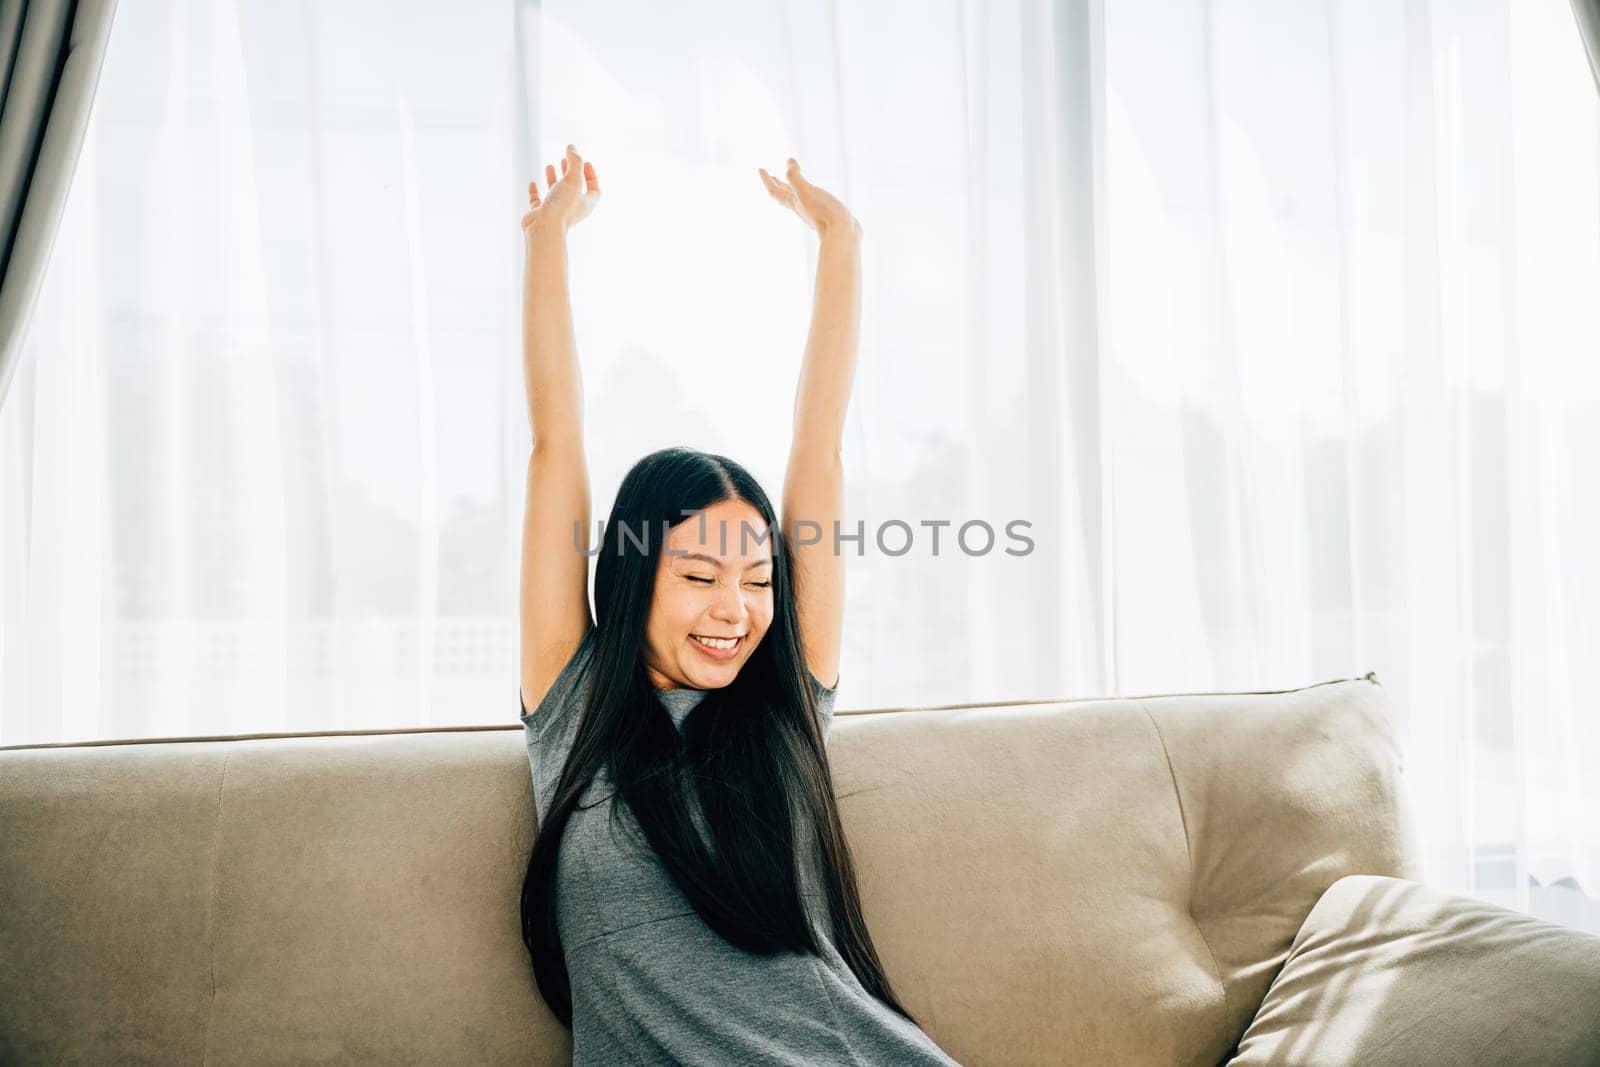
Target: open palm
(569,199)
(817,207)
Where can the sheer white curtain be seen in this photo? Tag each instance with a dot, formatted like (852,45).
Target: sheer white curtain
(1352,252)
(1275,322)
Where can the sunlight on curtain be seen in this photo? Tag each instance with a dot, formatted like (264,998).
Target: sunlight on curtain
(1352,336)
(1275,321)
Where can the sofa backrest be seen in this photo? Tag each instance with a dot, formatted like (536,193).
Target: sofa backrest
(1101,880)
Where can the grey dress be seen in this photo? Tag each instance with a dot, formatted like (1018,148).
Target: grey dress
(651,982)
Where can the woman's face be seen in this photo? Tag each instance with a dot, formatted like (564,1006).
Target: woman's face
(714,580)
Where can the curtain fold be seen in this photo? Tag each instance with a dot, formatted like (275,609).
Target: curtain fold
(1587,12)
(52,53)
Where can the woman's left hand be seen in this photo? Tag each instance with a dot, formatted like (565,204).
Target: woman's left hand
(817,207)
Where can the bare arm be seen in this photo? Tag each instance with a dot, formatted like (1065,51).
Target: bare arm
(550,371)
(555,524)
(813,484)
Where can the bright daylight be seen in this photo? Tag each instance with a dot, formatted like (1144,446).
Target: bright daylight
(1022,532)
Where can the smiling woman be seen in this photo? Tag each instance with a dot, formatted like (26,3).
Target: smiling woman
(731,865)
(689,711)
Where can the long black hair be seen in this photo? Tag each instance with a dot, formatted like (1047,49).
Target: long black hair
(751,752)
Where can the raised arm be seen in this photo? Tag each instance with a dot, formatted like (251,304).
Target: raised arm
(555,574)
(813,484)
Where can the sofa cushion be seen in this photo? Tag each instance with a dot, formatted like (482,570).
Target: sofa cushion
(1112,881)
(1389,971)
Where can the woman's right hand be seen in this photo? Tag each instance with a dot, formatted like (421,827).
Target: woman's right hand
(567,201)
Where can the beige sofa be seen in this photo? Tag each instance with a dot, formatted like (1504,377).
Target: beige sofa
(1170,879)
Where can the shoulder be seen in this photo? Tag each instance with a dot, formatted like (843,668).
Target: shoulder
(825,696)
(559,700)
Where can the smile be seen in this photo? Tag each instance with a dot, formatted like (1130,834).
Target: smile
(718,648)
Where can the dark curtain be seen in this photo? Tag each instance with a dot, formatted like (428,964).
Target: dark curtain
(1588,15)
(50,55)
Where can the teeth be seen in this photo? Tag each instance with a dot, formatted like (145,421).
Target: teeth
(714,643)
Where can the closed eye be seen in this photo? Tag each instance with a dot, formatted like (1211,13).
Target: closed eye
(692,578)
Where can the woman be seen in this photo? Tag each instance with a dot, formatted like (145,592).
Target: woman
(691,896)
